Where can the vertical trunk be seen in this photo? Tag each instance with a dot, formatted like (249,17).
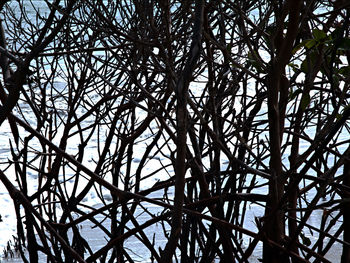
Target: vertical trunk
(32,243)
(346,214)
(181,91)
(293,193)
(277,86)
(274,225)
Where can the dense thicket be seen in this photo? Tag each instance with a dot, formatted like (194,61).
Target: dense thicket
(204,130)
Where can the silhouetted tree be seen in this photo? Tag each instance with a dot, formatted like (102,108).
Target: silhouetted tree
(202,129)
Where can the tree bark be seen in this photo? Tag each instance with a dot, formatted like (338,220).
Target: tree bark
(277,88)
(181,118)
(346,213)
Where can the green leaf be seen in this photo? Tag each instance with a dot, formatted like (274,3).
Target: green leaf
(310,43)
(345,71)
(336,80)
(337,33)
(254,62)
(229,47)
(295,67)
(344,44)
(304,68)
(305,101)
(319,34)
(311,58)
(300,46)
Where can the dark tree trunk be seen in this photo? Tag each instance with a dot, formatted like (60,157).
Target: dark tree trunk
(346,213)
